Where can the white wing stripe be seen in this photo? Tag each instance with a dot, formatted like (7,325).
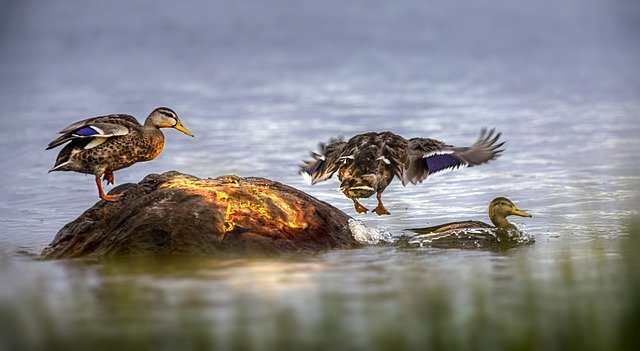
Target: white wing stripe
(95,142)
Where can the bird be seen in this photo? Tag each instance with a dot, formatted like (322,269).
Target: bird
(367,163)
(499,209)
(104,144)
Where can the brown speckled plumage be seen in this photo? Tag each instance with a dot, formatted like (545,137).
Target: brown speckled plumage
(105,144)
(499,209)
(367,163)
(140,144)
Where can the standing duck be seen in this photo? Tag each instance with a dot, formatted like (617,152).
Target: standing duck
(499,209)
(104,144)
(367,163)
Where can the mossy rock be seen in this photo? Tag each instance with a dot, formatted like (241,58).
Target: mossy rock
(179,214)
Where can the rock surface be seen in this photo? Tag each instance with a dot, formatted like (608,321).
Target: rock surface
(179,214)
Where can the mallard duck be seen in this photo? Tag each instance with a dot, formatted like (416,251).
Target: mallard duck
(499,209)
(367,163)
(104,144)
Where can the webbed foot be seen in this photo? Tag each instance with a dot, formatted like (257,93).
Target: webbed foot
(359,207)
(380,210)
(103,196)
(111,198)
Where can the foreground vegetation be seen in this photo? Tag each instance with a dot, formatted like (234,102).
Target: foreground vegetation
(561,311)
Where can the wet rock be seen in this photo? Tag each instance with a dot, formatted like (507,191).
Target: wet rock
(179,214)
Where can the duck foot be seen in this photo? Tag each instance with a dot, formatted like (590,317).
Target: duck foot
(111,198)
(109,177)
(380,210)
(359,207)
(103,196)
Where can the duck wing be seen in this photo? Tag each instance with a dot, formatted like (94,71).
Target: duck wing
(429,156)
(323,164)
(451,226)
(98,129)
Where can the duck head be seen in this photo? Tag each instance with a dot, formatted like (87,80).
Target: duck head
(164,117)
(500,208)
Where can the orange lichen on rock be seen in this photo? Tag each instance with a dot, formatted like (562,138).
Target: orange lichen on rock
(178,213)
(250,202)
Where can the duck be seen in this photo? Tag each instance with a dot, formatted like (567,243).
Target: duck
(367,163)
(499,209)
(104,144)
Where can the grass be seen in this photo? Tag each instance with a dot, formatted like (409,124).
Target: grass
(554,312)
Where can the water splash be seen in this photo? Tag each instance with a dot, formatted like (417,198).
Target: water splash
(368,235)
(468,238)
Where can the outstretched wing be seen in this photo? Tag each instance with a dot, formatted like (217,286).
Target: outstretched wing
(428,156)
(98,128)
(325,163)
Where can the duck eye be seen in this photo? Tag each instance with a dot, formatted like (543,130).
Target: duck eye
(346,159)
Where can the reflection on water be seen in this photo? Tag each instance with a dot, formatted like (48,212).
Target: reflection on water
(260,84)
(370,298)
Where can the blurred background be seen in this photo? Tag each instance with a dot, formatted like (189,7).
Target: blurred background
(260,83)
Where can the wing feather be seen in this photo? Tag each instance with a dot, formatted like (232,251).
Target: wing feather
(98,127)
(428,156)
(325,163)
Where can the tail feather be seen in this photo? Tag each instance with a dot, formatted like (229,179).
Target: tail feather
(324,163)
(59,167)
(59,141)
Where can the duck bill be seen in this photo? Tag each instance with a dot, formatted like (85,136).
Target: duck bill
(519,212)
(181,128)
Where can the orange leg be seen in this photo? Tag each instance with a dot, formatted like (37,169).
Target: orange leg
(109,177)
(104,196)
(359,207)
(380,210)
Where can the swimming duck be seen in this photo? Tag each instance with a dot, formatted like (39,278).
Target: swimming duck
(499,209)
(367,163)
(104,144)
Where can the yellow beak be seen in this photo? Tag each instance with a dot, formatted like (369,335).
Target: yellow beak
(518,212)
(181,128)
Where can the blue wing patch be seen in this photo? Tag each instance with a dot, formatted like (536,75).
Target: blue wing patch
(314,167)
(441,162)
(86,131)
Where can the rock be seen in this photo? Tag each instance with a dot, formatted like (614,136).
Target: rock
(179,214)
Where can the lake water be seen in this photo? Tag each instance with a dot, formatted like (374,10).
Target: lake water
(260,84)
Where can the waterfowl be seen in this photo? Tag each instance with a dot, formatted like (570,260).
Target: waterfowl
(104,144)
(499,209)
(367,163)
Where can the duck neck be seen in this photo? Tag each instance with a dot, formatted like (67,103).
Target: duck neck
(148,124)
(155,139)
(501,222)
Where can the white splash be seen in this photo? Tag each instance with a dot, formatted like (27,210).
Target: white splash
(367,235)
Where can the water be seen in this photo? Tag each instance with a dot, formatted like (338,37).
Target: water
(260,84)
